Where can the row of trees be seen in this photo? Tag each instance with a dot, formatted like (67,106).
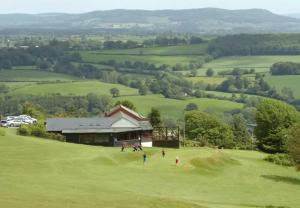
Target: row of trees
(158,41)
(255,44)
(211,131)
(277,129)
(285,68)
(58,105)
(237,72)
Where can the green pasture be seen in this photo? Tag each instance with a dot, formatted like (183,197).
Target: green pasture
(31,75)
(207,80)
(95,57)
(259,63)
(174,109)
(74,88)
(41,173)
(198,49)
(290,81)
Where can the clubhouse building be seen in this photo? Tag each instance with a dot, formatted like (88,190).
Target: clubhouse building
(120,126)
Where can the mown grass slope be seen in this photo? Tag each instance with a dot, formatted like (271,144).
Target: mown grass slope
(39,173)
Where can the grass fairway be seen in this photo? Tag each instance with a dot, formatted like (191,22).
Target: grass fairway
(174,109)
(290,81)
(259,63)
(74,88)
(39,173)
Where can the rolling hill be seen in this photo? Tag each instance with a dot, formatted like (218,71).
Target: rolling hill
(42,173)
(205,20)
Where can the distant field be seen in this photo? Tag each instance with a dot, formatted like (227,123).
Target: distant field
(171,108)
(292,82)
(39,173)
(199,49)
(75,88)
(94,57)
(259,63)
(207,80)
(33,75)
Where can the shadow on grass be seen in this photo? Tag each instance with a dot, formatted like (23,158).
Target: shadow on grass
(289,180)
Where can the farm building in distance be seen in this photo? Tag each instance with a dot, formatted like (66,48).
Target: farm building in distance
(118,127)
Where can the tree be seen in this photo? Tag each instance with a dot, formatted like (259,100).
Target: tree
(127,104)
(155,117)
(98,104)
(294,146)
(273,118)
(115,92)
(210,72)
(207,129)
(242,137)
(33,111)
(143,89)
(191,107)
(194,72)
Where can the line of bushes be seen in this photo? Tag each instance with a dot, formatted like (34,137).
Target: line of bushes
(39,130)
(280,159)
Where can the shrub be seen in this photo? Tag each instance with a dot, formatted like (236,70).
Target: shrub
(280,159)
(192,143)
(207,129)
(38,130)
(24,130)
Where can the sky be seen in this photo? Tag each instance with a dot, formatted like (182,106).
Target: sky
(79,6)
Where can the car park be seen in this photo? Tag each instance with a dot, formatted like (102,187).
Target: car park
(17,121)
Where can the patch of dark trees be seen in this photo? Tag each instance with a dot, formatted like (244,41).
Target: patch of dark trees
(56,104)
(255,44)
(285,68)
(237,72)
(158,41)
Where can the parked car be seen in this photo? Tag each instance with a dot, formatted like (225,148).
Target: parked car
(8,118)
(27,119)
(3,123)
(15,123)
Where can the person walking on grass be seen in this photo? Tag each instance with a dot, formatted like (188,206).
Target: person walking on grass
(177,160)
(144,158)
(163,153)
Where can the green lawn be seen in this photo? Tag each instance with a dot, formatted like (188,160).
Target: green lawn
(291,81)
(94,57)
(75,88)
(39,173)
(174,109)
(33,76)
(259,63)
(199,49)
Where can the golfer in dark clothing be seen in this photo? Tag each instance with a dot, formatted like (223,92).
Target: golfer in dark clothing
(144,158)
(163,153)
